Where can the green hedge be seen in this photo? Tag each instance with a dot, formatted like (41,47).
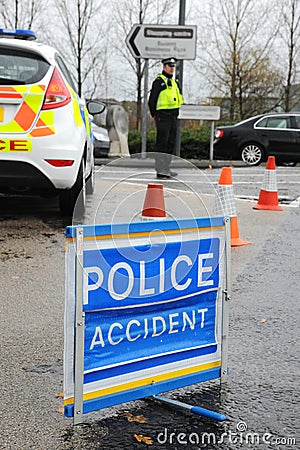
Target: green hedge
(194,143)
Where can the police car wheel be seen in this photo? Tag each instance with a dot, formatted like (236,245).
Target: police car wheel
(72,201)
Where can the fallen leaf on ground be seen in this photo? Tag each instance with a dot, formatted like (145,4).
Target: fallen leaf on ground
(263,320)
(60,395)
(145,439)
(60,409)
(131,418)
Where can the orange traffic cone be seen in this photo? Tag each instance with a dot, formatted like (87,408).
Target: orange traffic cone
(154,204)
(225,205)
(268,196)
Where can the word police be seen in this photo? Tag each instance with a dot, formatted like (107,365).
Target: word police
(143,279)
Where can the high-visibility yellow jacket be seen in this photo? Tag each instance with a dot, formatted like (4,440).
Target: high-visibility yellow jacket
(170,97)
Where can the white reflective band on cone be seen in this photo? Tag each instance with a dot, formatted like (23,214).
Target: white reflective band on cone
(270,181)
(225,204)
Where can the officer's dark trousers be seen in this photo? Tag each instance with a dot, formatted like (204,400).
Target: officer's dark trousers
(166,126)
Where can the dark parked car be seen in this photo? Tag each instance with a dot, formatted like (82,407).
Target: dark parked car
(101,141)
(254,139)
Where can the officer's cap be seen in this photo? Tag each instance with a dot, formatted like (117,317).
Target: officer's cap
(169,62)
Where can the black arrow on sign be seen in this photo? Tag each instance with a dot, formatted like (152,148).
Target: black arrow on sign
(131,41)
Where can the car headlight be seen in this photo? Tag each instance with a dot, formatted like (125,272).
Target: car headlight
(101,136)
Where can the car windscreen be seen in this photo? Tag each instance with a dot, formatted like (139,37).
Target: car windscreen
(21,67)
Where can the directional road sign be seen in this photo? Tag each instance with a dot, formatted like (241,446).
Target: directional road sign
(160,41)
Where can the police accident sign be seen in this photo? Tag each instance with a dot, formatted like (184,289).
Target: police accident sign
(152,308)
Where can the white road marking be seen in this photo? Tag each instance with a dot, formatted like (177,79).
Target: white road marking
(174,180)
(285,178)
(295,203)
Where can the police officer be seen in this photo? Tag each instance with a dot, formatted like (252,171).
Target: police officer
(164,102)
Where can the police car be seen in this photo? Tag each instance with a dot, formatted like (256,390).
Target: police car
(46,141)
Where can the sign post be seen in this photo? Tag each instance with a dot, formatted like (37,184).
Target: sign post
(145,107)
(145,310)
(179,76)
(79,328)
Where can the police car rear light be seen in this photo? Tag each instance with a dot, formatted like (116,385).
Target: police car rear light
(57,94)
(60,162)
(17,33)
(219,134)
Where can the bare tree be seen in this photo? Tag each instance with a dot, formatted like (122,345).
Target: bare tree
(259,85)
(127,14)
(290,35)
(21,14)
(80,22)
(235,52)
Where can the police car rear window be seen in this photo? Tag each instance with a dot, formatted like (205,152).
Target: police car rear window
(21,67)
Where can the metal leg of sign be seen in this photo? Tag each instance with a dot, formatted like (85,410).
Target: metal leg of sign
(226,295)
(194,409)
(79,331)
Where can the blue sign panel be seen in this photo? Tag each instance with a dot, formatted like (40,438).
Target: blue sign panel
(152,311)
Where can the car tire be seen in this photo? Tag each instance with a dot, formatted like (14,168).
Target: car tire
(90,183)
(252,154)
(73,200)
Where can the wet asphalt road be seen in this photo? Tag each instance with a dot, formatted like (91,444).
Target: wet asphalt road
(262,395)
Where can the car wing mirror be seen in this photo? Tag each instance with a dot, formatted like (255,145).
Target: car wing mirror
(95,107)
